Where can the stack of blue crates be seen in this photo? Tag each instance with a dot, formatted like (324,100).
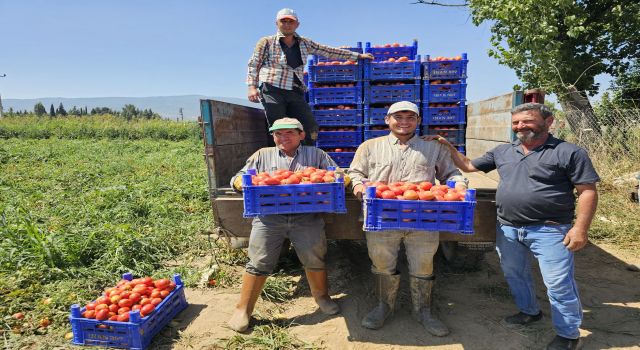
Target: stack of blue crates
(335,97)
(443,98)
(393,75)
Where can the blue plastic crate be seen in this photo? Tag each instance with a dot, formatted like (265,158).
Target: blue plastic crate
(372,134)
(357,48)
(450,69)
(335,73)
(339,138)
(385,70)
(135,334)
(343,159)
(444,115)
(336,95)
(394,214)
(391,93)
(384,53)
(462,149)
(292,199)
(455,135)
(374,115)
(444,92)
(347,117)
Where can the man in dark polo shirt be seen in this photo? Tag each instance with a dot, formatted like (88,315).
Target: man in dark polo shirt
(536,205)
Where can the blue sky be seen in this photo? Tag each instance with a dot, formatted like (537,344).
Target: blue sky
(74,48)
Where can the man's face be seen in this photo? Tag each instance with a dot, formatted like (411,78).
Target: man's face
(288,139)
(530,126)
(287,26)
(403,123)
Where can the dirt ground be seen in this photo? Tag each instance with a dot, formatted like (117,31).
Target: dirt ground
(471,303)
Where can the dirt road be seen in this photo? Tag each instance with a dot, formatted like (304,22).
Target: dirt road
(472,304)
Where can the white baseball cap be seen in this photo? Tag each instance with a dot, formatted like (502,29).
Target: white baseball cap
(287,13)
(404,106)
(286,123)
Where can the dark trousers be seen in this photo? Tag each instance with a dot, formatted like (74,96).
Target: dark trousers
(279,103)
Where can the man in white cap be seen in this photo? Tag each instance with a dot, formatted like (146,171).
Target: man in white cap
(403,156)
(276,71)
(268,232)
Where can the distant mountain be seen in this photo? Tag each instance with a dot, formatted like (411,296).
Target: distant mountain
(166,106)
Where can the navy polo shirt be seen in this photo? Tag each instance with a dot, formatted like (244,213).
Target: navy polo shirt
(539,186)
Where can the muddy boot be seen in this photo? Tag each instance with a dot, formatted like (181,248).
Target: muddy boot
(421,299)
(251,288)
(386,292)
(320,291)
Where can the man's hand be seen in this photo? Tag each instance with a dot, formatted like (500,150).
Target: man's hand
(254,95)
(366,56)
(358,191)
(575,239)
(438,138)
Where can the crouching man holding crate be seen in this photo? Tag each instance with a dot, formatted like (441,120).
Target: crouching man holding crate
(268,232)
(403,156)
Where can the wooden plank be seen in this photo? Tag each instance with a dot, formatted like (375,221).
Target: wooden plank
(228,215)
(490,119)
(229,159)
(233,124)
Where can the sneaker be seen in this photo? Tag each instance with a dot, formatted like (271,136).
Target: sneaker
(562,343)
(523,319)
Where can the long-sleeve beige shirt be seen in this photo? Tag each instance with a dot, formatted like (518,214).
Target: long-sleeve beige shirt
(385,159)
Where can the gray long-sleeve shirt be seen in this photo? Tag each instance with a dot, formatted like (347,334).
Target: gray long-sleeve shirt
(384,159)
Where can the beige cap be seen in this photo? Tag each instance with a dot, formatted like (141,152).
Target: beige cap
(287,13)
(404,106)
(286,123)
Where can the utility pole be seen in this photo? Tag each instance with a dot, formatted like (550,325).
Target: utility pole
(1,76)
(181,115)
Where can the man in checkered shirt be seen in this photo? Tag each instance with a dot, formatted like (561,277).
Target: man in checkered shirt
(276,72)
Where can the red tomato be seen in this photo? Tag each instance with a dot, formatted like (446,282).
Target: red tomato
(147,280)
(123,317)
(328,178)
(115,299)
(145,301)
(164,293)
(388,194)
(316,178)
(292,180)
(103,300)
(113,318)
(155,294)
(451,197)
(91,306)
(113,307)
(101,307)
(102,315)
(136,307)
(410,195)
(426,195)
(135,297)
(123,310)
(147,309)
(156,301)
(125,303)
(425,185)
(161,283)
(89,314)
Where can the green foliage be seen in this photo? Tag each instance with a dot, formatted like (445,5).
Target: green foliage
(78,213)
(104,126)
(270,336)
(551,44)
(39,109)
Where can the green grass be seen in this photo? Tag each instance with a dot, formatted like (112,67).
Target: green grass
(271,336)
(76,213)
(99,126)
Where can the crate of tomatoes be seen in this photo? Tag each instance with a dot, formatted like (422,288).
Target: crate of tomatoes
(129,314)
(283,191)
(423,206)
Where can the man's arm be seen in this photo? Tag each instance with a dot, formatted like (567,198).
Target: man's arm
(255,63)
(335,53)
(359,170)
(252,163)
(577,237)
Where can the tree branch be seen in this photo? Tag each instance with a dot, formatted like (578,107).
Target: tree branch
(433,2)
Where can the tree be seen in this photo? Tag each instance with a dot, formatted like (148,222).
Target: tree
(130,111)
(626,88)
(61,110)
(561,45)
(39,109)
(52,112)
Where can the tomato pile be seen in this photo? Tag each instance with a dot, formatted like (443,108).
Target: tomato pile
(447,105)
(142,294)
(425,191)
(444,82)
(389,45)
(338,128)
(440,58)
(288,177)
(336,63)
(331,108)
(334,85)
(399,59)
(347,149)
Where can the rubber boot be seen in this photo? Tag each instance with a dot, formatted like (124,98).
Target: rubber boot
(251,288)
(386,291)
(320,291)
(421,289)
